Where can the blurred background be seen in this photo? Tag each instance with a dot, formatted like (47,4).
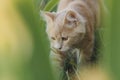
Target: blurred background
(24,47)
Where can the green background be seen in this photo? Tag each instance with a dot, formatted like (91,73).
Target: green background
(38,66)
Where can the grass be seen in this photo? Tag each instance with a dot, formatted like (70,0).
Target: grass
(24,47)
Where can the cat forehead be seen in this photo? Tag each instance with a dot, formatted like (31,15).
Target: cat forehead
(59,19)
(58,30)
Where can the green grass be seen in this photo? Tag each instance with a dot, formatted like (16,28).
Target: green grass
(111,39)
(38,67)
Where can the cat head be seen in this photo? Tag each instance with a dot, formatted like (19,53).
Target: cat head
(65,29)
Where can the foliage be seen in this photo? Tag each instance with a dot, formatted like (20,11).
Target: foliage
(24,47)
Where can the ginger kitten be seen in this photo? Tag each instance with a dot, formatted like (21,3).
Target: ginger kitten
(71,31)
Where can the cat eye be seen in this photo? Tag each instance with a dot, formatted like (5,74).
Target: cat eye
(53,38)
(64,38)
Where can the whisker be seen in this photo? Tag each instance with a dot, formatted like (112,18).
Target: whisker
(67,75)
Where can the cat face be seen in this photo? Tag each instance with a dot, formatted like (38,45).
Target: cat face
(65,29)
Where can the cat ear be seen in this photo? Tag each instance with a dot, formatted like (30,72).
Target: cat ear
(48,16)
(71,16)
(72,19)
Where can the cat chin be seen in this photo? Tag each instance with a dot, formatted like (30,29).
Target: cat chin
(64,49)
(61,50)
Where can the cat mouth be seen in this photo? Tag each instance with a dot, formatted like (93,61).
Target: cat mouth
(63,50)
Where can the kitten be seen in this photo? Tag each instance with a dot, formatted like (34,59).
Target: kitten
(71,31)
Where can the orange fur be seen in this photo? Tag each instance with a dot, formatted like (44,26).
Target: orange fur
(73,27)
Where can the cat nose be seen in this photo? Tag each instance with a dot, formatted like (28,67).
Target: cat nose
(58,46)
